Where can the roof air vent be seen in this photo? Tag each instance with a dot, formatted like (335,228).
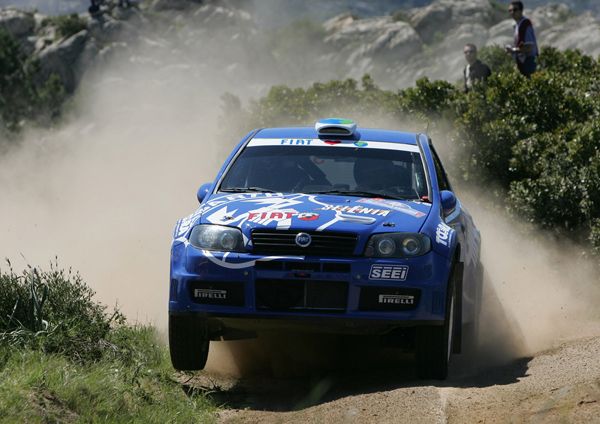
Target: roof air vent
(335,127)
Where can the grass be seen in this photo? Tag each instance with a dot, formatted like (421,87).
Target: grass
(125,376)
(41,387)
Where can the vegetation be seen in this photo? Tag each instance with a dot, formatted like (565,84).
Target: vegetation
(22,97)
(66,25)
(536,139)
(64,358)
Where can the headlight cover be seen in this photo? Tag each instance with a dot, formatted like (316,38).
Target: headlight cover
(397,245)
(217,237)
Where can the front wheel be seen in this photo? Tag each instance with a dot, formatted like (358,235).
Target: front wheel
(434,343)
(188,342)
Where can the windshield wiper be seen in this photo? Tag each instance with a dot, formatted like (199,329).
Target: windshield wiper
(246,189)
(362,194)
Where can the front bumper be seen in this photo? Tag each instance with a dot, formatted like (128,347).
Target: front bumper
(244,292)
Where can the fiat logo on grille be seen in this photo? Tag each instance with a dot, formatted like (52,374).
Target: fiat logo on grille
(303,239)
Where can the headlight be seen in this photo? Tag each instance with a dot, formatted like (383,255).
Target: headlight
(397,245)
(217,237)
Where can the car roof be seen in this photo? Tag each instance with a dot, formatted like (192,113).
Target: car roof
(367,134)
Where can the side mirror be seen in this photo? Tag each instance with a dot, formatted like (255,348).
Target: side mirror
(448,202)
(203,191)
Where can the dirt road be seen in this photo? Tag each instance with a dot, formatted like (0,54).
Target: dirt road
(557,385)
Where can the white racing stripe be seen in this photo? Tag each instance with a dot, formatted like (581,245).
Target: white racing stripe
(362,144)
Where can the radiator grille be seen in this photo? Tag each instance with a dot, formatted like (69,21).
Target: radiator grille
(283,242)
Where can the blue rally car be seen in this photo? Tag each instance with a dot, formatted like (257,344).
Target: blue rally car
(335,229)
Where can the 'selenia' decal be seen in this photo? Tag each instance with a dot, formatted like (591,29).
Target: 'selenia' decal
(356,209)
(394,205)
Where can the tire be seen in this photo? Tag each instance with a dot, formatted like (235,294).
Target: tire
(471,330)
(434,344)
(188,342)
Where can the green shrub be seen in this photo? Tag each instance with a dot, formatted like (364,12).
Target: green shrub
(536,139)
(21,98)
(66,25)
(53,311)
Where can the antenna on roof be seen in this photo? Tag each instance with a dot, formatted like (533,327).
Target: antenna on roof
(427,128)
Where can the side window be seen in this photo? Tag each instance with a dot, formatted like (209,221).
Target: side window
(439,171)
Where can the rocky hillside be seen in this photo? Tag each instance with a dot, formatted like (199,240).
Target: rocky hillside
(396,49)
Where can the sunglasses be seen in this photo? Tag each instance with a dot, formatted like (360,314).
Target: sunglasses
(511,10)
(469,51)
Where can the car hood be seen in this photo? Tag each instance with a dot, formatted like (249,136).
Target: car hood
(311,212)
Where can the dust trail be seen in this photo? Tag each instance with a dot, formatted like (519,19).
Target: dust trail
(541,289)
(104,189)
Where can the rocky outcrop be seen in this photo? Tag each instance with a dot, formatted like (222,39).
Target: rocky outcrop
(434,36)
(362,42)
(439,18)
(17,23)
(62,59)
(395,50)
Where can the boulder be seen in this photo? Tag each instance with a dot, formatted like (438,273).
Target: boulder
(501,33)
(16,22)
(434,21)
(357,41)
(580,32)
(61,59)
(162,5)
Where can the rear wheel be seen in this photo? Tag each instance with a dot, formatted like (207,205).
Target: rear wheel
(434,344)
(188,342)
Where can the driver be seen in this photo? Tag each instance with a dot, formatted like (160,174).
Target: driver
(287,176)
(373,174)
(381,175)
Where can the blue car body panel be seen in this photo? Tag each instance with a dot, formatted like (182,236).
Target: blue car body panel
(349,292)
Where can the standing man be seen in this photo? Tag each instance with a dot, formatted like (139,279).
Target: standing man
(476,71)
(524,48)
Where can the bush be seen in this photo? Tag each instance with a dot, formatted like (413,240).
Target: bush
(20,97)
(66,25)
(53,311)
(537,139)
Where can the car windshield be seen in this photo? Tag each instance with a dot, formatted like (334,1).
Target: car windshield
(364,172)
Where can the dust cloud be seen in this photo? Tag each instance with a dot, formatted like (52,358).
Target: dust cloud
(541,288)
(103,190)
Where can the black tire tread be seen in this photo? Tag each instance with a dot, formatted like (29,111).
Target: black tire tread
(188,343)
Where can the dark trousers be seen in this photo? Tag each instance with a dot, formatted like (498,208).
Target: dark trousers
(528,67)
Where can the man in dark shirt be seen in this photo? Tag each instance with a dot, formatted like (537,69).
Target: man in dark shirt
(524,50)
(476,71)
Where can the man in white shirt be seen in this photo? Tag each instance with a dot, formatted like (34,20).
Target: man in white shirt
(524,49)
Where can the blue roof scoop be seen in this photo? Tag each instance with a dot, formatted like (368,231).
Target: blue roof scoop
(335,127)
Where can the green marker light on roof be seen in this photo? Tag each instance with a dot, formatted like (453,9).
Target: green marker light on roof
(335,127)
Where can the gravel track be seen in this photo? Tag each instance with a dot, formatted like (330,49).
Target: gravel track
(557,385)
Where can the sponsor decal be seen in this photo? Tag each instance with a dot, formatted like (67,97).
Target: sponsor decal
(356,209)
(303,239)
(278,215)
(396,299)
(296,141)
(308,216)
(388,272)
(210,294)
(443,234)
(369,144)
(394,205)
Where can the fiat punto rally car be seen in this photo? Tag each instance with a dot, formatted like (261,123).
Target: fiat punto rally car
(334,229)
